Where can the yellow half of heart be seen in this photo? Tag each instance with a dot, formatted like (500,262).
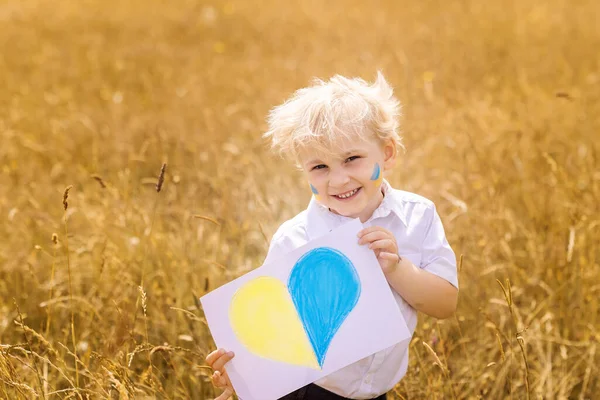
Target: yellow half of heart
(265,321)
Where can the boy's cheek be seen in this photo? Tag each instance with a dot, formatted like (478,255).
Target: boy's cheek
(315,192)
(377,175)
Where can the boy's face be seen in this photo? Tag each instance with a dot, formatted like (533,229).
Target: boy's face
(348,179)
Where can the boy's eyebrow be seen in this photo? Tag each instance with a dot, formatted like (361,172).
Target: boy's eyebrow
(343,155)
(347,153)
(314,161)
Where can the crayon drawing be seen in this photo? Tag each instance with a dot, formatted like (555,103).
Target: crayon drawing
(263,317)
(296,324)
(305,315)
(325,287)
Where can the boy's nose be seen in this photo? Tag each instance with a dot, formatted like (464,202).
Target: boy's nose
(338,179)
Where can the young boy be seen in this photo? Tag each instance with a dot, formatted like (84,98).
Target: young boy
(344,135)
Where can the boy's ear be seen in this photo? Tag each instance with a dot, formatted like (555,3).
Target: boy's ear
(390,151)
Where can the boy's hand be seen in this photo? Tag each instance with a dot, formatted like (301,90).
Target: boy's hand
(384,244)
(217,360)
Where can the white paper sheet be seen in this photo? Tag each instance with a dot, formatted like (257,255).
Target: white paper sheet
(304,307)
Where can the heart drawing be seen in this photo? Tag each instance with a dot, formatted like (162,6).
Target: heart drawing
(296,324)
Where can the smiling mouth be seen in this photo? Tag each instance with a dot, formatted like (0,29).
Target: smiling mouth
(347,195)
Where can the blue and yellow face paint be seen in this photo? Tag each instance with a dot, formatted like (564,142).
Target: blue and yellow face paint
(377,176)
(314,192)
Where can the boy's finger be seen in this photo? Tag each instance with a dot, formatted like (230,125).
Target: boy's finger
(389,256)
(219,380)
(372,236)
(387,244)
(215,378)
(372,229)
(225,395)
(221,361)
(212,357)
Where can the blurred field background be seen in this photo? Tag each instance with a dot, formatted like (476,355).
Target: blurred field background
(501,124)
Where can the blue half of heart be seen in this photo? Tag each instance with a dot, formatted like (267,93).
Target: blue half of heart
(325,287)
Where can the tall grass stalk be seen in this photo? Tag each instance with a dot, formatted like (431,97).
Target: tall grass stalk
(71,306)
(142,295)
(518,334)
(33,357)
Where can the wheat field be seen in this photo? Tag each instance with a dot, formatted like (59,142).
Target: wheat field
(99,283)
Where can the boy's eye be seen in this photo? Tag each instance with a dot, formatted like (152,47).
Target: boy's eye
(320,166)
(352,158)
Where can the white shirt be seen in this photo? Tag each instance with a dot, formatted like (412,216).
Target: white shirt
(420,235)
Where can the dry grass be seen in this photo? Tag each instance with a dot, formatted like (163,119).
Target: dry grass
(502,114)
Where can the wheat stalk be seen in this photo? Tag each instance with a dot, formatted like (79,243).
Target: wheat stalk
(25,331)
(73,339)
(48,310)
(159,185)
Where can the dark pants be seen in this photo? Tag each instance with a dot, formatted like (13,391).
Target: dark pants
(314,392)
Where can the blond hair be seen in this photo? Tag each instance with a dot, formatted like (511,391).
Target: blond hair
(327,111)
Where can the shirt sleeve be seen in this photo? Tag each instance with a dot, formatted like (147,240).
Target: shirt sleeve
(437,255)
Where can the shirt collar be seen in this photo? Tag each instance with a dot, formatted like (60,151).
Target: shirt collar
(320,220)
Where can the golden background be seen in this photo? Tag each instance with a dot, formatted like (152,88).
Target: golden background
(501,104)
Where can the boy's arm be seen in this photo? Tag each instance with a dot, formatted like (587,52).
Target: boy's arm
(423,290)
(432,286)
